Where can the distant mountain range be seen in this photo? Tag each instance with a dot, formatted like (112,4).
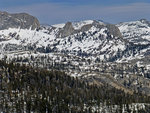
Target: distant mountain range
(86,49)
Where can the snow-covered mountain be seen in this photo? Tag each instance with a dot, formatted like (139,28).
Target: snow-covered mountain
(111,54)
(138,34)
(89,38)
(86,38)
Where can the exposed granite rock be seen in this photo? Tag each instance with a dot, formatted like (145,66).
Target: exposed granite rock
(67,30)
(20,20)
(114,30)
(98,25)
(86,27)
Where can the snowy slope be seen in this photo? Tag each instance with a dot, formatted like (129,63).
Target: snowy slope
(24,37)
(59,25)
(94,42)
(137,32)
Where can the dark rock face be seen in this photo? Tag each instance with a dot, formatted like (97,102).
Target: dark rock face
(86,27)
(67,29)
(98,25)
(20,20)
(114,30)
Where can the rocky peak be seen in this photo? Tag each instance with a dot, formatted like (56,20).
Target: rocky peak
(68,26)
(67,30)
(19,20)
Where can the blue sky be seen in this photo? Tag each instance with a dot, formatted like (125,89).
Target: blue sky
(59,11)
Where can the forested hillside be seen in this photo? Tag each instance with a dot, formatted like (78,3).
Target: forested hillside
(30,89)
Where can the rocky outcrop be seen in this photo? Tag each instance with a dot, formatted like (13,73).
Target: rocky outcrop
(113,30)
(85,27)
(67,30)
(20,20)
